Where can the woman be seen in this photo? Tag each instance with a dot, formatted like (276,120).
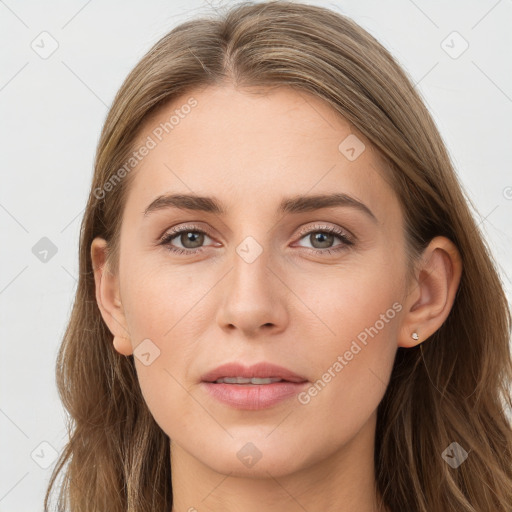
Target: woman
(284,302)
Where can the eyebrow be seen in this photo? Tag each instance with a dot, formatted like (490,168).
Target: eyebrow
(296,204)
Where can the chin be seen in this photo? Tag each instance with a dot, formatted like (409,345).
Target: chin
(258,458)
(264,468)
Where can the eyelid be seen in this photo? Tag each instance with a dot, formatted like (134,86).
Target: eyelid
(303,231)
(330,228)
(182,227)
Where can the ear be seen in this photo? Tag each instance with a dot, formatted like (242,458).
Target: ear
(108,297)
(430,296)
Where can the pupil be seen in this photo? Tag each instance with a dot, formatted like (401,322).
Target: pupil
(323,238)
(192,237)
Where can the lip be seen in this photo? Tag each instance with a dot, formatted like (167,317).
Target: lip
(253,396)
(260,370)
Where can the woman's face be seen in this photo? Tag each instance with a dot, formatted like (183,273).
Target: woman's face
(262,281)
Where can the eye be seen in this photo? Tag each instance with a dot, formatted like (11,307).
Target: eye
(190,237)
(322,238)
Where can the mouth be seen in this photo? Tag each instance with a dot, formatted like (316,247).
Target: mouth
(243,380)
(263,373)
(255,387)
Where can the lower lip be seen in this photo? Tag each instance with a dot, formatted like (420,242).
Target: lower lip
(254,396)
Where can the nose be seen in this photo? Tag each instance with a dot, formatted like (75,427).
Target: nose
(253,297)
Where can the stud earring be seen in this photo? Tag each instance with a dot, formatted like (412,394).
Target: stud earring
(415,336)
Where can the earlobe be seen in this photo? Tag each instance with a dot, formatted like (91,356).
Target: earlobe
(123,345)
(430,298)
(108,297)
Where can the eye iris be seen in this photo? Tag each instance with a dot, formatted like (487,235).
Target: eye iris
(323,238)
(192,236)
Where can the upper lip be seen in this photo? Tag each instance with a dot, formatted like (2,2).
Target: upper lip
(260,370)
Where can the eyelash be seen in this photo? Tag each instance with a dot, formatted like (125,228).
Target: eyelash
(347,242)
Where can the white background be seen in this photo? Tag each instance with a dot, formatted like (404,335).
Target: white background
(52,111)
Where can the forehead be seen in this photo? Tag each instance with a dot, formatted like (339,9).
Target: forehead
(251,148)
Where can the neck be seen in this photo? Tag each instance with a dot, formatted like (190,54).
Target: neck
(344,480)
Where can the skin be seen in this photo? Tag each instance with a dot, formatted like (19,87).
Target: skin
(290,306)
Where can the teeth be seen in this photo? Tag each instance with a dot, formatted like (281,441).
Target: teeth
(244,380)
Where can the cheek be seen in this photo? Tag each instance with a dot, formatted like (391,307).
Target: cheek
(338,304)
(166,316)
(158,297)
(353,334)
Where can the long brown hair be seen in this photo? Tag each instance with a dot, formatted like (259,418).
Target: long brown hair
(454,387)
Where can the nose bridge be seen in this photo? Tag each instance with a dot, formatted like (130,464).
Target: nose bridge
(251,242)
(250,296)
(253,252)
(250,273)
